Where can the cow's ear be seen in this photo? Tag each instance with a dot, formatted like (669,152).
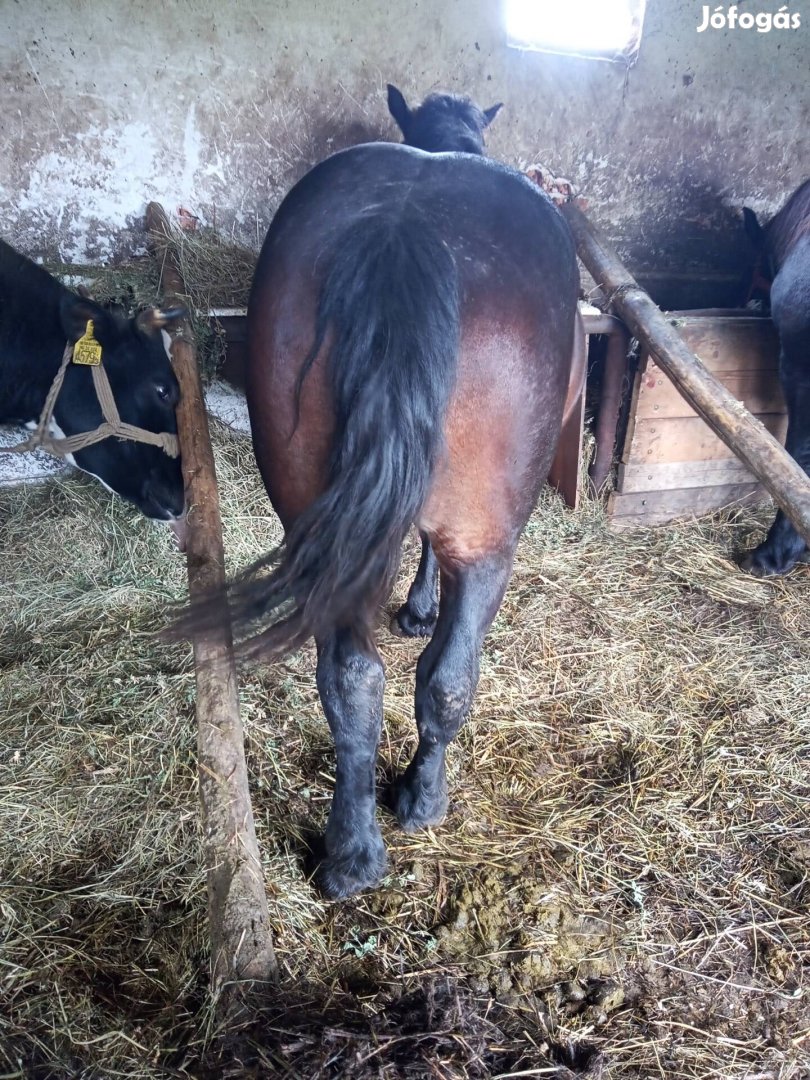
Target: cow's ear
(76,311)
(491,113)
(398,108)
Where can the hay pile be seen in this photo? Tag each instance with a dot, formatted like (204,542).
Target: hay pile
(205,257)
(621,887)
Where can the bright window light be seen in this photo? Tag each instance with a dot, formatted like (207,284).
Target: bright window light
(602,29)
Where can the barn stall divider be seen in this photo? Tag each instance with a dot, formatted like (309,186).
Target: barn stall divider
(725,414)
(241,939)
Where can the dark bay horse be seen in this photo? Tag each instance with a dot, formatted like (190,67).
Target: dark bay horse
(783,247)
(411,331)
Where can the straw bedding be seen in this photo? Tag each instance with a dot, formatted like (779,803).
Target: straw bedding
(620,889)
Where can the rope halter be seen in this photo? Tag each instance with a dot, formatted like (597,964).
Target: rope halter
(87,351)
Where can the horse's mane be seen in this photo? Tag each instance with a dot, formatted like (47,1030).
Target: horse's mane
(791,223)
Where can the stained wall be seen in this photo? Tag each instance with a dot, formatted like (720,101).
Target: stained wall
(219,108)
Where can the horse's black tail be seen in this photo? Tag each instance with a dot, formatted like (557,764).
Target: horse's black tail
(390,301)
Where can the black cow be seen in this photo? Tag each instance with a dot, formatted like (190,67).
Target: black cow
(38,316)
(783,247)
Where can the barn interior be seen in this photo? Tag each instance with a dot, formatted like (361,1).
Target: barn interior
(620,889)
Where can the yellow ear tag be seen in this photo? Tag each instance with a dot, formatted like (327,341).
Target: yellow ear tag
(87,350)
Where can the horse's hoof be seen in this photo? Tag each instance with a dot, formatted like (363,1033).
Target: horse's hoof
(407,623)
(749,564)
(761,564)
(352,872)
(418,811)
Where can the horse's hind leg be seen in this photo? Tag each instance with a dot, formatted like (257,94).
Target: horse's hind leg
(350,682)
(446,679)
(417,616)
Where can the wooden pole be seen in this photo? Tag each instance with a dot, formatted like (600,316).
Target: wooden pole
(607,420)
(241,943)
(729,418)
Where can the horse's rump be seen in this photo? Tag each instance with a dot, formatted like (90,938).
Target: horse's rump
(517,281)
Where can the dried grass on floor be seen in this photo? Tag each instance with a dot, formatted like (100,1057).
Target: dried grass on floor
(621,886)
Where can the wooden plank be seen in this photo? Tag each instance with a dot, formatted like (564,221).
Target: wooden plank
(564,473)
(687,439)
(641,476)
(606,430)
(759,390)
(715,313)
(731,344)
(630,430)
(661,507)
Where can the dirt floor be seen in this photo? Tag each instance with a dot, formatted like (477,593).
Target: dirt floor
(620,889)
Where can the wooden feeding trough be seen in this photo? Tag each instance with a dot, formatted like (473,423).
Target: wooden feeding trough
(232,323)
(672,464)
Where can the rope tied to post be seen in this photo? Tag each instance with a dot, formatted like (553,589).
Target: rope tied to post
(620,292)
(113,426)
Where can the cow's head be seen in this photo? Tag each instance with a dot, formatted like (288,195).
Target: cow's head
(136,360)
(443,122)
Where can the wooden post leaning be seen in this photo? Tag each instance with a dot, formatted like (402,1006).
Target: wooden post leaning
(727,416)
(241,942)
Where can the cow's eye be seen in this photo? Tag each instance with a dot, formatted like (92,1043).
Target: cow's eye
(162,391)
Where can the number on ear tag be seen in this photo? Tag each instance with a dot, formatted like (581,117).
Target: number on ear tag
(87,350)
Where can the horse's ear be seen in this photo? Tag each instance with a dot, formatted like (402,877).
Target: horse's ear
(491,113)
(753,229)
(76,311)
(398,108)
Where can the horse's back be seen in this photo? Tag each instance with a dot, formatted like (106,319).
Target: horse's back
(499,226)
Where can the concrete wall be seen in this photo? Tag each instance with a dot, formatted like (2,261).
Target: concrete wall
(221,107)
